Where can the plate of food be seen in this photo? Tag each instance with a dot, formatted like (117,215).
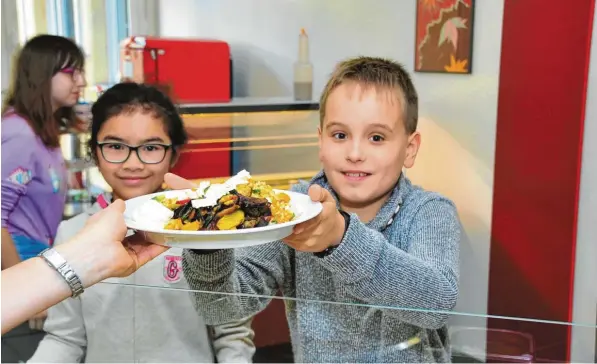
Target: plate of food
(237,213)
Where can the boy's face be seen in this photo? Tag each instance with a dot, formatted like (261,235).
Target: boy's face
(364,144)
(134,178)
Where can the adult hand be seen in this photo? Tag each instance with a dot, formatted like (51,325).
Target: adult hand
(100,250)
(321,232)
(177,183)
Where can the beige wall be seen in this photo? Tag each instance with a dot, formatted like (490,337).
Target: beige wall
(95,35)
(40,16)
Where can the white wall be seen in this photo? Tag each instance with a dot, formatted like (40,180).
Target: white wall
(144,18)
(584,339)
(458,112)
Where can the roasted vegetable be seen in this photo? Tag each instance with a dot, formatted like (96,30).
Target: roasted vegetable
(193,226)
(208,218)
(264,221)
(250,223)
(192,215)
(183,211)
(227,211)
(228,200)
(231,221)
(174,224)
(254,206)
(244,190)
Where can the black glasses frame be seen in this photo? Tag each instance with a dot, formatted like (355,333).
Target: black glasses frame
(132,148)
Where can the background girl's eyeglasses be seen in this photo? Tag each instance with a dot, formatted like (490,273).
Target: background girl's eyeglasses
(150,153)
(75,73)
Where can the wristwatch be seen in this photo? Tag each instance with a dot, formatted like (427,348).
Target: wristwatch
(56,261)
(330,250)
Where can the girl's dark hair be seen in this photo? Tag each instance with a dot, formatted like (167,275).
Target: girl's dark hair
(30,94)
(129,97)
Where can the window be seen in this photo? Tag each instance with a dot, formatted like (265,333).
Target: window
(26,20)
(118,29)
(98,36)
(61,17)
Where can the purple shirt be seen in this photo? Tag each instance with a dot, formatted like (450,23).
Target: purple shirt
(33,182)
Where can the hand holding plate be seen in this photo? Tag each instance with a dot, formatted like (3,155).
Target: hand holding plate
(321,232)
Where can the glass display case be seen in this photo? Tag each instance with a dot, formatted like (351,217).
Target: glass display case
(467,339)
(276,141)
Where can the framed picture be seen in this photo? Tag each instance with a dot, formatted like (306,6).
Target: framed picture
(444,38)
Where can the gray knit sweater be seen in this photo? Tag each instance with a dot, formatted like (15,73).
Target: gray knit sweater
(396,262)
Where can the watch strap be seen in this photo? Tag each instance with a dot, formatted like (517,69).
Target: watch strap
(60,265)
(330,250)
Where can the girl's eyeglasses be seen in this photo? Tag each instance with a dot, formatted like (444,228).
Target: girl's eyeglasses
(73,72)
(151,153)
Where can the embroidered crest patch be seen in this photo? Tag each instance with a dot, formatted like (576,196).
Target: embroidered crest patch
(172,268)
(20,176)
(56,181)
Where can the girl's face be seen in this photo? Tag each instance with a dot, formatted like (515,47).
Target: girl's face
(67,86)
(132,173)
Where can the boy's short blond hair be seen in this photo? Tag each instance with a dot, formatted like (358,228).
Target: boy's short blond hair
(379,73)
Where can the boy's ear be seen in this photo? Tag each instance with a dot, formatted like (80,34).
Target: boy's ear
(319,141)
(412,148)
(319,135)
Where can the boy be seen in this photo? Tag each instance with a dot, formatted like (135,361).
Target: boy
(379,241)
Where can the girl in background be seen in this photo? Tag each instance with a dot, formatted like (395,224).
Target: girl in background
(136,136)
(47,81)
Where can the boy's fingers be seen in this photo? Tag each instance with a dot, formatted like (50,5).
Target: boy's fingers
(316,193)
(320,194)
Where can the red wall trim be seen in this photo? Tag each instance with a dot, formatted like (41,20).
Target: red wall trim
(541,105)
(585,89)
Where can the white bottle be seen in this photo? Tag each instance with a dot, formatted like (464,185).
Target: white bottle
(303,71)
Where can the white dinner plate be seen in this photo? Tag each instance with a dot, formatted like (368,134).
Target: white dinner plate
(301,204)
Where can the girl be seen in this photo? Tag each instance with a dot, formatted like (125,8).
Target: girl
(47,82)
(136,135)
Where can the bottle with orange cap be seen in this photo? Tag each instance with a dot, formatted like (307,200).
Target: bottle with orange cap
(303,71)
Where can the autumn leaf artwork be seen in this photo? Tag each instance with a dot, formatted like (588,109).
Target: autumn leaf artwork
(444,36)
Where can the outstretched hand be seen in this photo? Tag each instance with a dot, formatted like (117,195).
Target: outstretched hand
(176,182)
(324,230)
(101,251)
